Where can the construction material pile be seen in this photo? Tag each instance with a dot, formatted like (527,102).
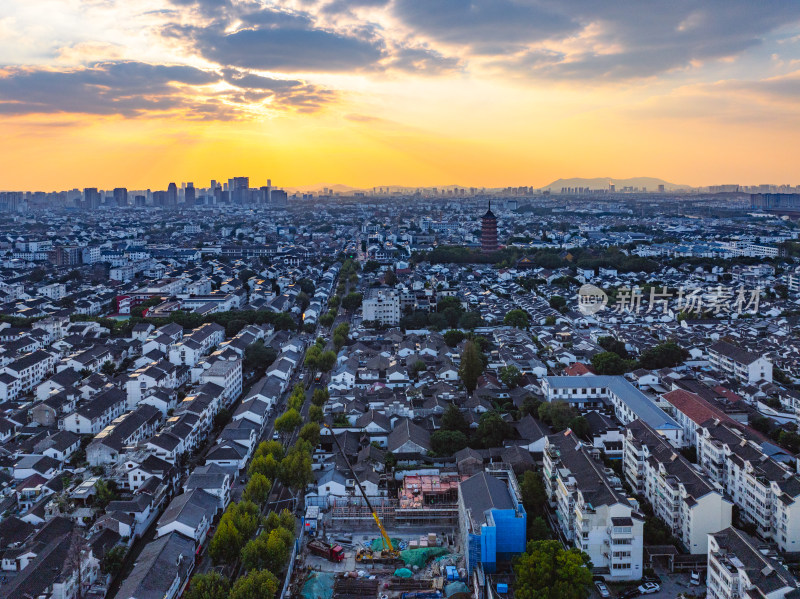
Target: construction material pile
(318,585)
(420,557)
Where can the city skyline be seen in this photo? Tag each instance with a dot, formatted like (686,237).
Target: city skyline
(571,186)
(372,93)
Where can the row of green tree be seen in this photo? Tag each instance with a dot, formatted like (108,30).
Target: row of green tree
(449,314)
(616,360)
(261,557)
(265,555)
(317,359)
(547,258)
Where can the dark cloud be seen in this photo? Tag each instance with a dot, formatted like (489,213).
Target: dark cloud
(486,26)
(134,88)
(621,39)
(539,39)
(422,61)
(347,6)
(291,41)
(278,41)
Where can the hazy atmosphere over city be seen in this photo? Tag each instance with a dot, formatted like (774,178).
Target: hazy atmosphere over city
(399,299)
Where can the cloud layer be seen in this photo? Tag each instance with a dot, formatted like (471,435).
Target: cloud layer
(232,58)
(132,89)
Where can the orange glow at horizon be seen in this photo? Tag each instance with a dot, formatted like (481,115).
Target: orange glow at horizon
(134,95)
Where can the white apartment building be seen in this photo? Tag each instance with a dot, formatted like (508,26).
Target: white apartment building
(739,566)
(382,305)
(592,509)
(158,374)
(90,254)
(766,491)
(690,505)
(228,375)
(591,392)
(28,371)
(54,291)
(739,363)
(94,415)
(199,342)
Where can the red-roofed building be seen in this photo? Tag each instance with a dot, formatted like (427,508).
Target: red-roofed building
(691,411)
(728,394)
(578,369)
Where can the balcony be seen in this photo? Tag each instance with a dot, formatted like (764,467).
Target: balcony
(620,532)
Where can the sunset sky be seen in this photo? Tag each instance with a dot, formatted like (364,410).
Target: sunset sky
(491,93)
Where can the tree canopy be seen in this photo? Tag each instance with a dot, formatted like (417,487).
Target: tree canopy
(445,443)
(212,585)
(517,318)
(257,584)
(288,421)
(257,489)
(471,366)
(510,376)
(493,430)
(547,571)
(608,362)
(453,420)
(664,355)
(557,414)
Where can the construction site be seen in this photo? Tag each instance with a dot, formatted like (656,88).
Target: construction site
(379,547)
(353,562)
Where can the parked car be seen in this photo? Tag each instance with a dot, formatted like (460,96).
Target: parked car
(649,587)
(694,578)
(602,589)
(629,594)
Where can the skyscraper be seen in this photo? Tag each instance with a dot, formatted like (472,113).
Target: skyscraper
(120,197)
(489,231)
(238,187)
(280,198)
(189,194)
(172,195)
(91,198)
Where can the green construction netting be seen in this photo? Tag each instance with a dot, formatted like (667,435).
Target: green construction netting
(420,557)
(379,545)
(318,585)
(455,587)
(403,573)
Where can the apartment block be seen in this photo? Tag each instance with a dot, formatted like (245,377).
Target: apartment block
(492,520)
(591,392)
(683,498)
(741,567)
(382,305)
(743,365)
(766,491)
(228,375)
(592,509)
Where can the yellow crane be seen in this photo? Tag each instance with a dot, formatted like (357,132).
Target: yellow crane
(363,555)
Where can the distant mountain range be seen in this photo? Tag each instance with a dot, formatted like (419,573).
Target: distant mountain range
(651,183)
(337,187)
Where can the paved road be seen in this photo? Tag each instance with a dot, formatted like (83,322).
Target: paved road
(280,497)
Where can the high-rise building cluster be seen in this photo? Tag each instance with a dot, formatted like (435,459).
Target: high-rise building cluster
(236,191)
